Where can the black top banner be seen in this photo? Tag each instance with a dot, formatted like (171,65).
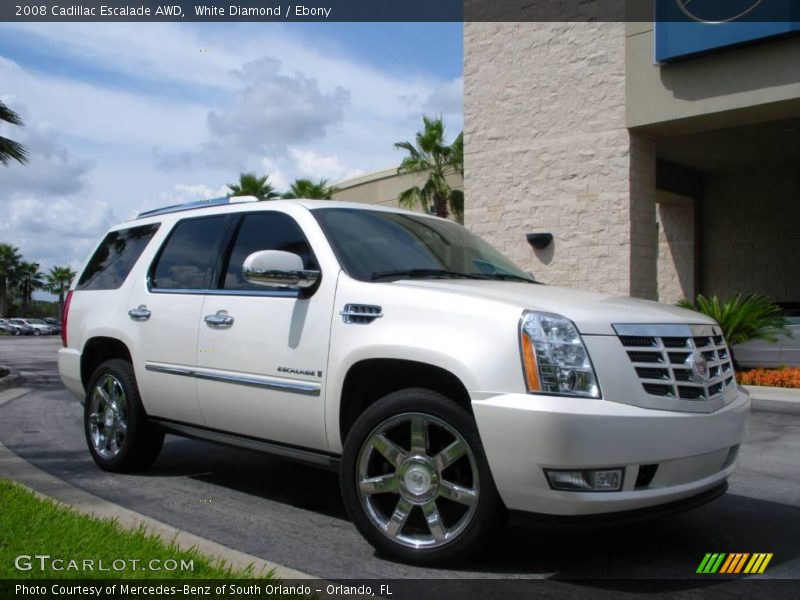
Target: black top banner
(706,11)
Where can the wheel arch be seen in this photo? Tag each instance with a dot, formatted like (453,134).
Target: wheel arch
(370,379)
(99,349)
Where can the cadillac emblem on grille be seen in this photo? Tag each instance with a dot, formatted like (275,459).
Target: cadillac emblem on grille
(699,366)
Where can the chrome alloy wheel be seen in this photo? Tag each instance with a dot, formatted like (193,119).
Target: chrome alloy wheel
(422,497)
(108,417)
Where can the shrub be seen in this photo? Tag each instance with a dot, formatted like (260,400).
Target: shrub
(783,377)
(742,318)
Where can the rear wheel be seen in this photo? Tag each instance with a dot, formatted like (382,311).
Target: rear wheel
(37,332)
(119,436)
(415,479)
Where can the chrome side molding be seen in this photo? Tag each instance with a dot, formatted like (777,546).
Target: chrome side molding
(294,386)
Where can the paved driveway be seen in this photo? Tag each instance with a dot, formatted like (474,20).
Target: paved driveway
(293,515)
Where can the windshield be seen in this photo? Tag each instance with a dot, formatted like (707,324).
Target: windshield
(377,245)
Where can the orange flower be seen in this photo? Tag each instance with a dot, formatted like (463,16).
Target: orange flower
(783,377)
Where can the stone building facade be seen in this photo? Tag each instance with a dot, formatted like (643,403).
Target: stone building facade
(659,180)
(656,180)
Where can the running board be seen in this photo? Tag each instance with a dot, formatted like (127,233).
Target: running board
(301,455)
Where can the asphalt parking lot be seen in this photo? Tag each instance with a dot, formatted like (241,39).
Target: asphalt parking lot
(293,515)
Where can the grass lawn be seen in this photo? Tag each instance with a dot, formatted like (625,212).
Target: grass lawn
(32,526)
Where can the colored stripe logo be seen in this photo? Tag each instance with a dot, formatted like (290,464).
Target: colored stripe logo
(734,563)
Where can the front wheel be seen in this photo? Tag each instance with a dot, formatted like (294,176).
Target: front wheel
(37,332)
(415,479)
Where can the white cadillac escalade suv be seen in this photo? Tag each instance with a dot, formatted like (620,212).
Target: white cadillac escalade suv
(446,386)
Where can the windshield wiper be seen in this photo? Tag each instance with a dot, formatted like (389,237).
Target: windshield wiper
(508,277)
(423,273)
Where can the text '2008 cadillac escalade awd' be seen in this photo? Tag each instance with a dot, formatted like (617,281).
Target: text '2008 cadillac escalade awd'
(445,384)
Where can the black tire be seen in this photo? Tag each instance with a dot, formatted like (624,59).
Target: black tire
(141,442)
(17,332)
(439,413)
(37,332)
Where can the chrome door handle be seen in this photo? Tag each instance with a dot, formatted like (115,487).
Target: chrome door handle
(139,314)
(220,319)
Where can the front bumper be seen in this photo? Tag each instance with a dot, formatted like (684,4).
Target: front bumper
(524,434)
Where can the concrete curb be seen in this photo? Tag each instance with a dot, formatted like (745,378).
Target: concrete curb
(773,394)
(46,485)
(13,379)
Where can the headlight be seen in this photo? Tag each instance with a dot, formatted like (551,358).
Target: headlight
(554,358)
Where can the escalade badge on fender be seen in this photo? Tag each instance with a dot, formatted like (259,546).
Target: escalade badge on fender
(697,362)
(308,372)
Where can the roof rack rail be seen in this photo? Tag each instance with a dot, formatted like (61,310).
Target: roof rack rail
(196,204)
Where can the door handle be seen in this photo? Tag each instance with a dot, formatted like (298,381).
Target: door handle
(220,319)
(139,314)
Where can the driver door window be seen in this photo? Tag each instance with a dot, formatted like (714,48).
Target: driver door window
(265,231)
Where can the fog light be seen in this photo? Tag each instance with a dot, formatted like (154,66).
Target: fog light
(587,480)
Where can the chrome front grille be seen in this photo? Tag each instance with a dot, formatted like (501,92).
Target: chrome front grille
(682,362)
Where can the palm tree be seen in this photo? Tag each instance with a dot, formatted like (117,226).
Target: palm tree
(28,279)
(10,259)
(305,188)
(430,155)
(58,281)
(252,185)
(9,149)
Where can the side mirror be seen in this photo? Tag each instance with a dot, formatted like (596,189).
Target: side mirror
(278,269)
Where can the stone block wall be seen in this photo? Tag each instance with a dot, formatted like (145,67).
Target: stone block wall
(547,150)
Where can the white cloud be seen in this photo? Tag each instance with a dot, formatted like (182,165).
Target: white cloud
(50,232)
(51,168)
(447,99)
(247,97)
(104,115)
(317,166)
(269,111)
(276,170)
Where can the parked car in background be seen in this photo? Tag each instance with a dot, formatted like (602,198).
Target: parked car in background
(39,327)
(783,352)
(54,324)
(14,329)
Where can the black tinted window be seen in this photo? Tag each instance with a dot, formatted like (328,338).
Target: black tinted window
(187,260)
(115,257)
(370,243)
(265,231)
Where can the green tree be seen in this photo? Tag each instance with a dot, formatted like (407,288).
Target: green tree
(28,279)
(58,281)
(430,155)
(305,188)
(10,259)
(252,185)
(9,149)
(742,318)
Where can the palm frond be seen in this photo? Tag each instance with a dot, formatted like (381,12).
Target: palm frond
(412,197)
(742,318)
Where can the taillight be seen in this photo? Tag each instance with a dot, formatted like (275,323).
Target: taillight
(64,318)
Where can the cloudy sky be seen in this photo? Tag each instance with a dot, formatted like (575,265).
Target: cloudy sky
(129,116)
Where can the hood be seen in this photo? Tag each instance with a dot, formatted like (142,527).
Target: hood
(593,313)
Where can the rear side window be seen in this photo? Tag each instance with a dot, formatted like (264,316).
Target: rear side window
(265,231)
(114,258)
(187,260)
